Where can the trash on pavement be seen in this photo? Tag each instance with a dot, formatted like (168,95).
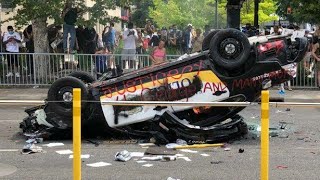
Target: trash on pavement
(170,178)
(141,162)
(181,142)
(34,140)
(205,155)
(216,162)
(147,165)
(172,145)
(64,152)
(83,156)
(99,164)
(159,151)
(146,145)
(227,149)
(185,158)
(53,144)
(123,156)
(241,150)
(282,167)
(188,151)
(137,154)
(31,148)
(160,158)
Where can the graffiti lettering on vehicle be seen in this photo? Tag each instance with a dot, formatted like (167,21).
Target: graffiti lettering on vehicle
(152,80)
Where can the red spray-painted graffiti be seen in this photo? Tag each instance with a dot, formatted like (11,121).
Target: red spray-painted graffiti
(132,85)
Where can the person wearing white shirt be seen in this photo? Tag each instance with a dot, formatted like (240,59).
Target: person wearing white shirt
(12,39)
(129,38)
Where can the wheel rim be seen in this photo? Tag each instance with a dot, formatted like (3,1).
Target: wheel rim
(65,95)
(230,48)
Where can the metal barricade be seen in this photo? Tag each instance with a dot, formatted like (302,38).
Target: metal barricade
(42,69)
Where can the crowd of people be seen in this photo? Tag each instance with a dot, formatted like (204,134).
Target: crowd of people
(149,40)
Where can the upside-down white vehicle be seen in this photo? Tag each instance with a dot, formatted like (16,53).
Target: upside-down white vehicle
(231,68)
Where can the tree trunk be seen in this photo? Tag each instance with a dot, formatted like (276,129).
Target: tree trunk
(41,45)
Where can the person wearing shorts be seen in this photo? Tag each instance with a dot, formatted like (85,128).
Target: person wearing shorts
(129,37)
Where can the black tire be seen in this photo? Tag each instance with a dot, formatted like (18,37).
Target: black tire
(230,48)
(207,40)
(83,76)
(60,90)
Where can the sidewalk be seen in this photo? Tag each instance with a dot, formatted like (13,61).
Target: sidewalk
(41,94)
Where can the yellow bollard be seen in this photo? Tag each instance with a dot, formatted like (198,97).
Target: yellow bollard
(264,159)
(76,134)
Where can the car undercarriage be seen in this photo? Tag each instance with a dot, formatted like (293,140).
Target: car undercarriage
(231,68)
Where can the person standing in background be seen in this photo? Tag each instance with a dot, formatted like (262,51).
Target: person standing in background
(109,38)
(28,38)
(197,41)
(129,38)
(11,39)
(70,16)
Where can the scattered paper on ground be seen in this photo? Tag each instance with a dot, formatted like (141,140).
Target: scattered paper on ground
(141,162)
(99,164)
(83,156)
(205,155)
(147,165)
(147,144)
(137,154)
(54,144)
(64,152)
(153,158)
(188,151)
(185,158)
(180,155)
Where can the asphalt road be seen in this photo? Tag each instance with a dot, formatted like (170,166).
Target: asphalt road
(295,157)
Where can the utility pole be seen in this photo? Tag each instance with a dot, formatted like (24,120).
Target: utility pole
(256,13)
(216,15)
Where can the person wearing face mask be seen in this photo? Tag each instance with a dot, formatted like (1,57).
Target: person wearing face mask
(11,39)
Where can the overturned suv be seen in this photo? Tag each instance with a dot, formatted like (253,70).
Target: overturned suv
(231,68)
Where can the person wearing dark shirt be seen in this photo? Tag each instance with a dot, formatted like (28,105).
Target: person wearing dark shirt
(70,16)
(28,37)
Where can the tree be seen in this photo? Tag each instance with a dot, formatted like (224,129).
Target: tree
(201,12)
(181,12)
(141,13)
(39,11)
(306,11)
(267,9)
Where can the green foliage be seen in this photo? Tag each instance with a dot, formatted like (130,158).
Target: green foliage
(182,12)
(267,9)
(307,11)
(141,13)
(29,10)
(201,12)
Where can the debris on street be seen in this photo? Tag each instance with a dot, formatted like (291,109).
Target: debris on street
(99,164)
(188,151)
(159,151)
(147,165)
(63,152)
(83,156)
(185,158)
(123,156)
(53,144)
(31,148)
(241,150)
